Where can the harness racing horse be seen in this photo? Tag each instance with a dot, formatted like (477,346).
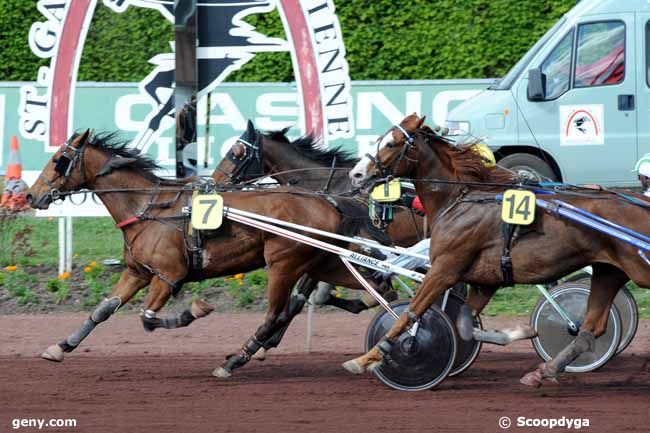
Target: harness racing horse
(158,251)
(467,243)
(304,163)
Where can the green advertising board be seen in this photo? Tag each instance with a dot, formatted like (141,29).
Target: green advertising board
(122,107)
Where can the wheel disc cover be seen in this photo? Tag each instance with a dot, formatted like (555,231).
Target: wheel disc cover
(553,331)
(419,362)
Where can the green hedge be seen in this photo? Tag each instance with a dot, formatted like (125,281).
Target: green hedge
(385,39)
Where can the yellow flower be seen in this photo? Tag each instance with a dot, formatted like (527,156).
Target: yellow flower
(239,277)
(75,255)
(11,268)
(93,264)
(88,269)
(64,276)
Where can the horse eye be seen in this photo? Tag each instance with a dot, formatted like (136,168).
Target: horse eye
(390,144)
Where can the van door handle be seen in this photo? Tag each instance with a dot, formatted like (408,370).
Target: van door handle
(626,102)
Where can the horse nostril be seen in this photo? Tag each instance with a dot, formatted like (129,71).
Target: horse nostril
(29,199)
(357,175)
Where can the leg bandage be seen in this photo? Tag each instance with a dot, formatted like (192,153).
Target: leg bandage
(100,314)
(584,342)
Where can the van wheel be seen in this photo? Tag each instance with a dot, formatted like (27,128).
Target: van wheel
(528,165)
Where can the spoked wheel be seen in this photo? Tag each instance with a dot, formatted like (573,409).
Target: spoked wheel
(554,333)
(467,350)
(627,308)
(416,362)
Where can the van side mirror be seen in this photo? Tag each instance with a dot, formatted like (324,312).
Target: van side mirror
(536,85)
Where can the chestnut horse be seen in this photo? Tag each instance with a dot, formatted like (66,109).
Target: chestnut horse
(160,254)
(467,243)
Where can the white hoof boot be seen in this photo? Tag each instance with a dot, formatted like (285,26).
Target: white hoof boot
(221,372)
(322,293)
(53,353)
(260,355)
(353,367)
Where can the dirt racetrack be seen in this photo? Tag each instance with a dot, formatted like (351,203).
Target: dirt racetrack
(123,380)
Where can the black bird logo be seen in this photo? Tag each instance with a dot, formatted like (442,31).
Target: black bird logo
(225,43)
(579,122)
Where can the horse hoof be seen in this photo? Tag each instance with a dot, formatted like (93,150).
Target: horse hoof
(532,379)
(374,366)
(222,373)
(353,367)
(260,355)
(200,309)
(53,353)
(523,332)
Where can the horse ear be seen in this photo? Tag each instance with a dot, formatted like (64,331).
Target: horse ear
(250,128)
(83,137)
(115,163)
(285,130)
(421,121)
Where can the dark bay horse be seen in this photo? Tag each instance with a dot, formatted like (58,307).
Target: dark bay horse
(158,250)
(305,163)
(467,243)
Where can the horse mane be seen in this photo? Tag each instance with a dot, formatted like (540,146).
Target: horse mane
(309,147)
(466,164)
(111,143)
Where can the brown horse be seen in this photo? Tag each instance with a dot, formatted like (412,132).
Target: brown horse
(305,163)
(160,254)
(467,243)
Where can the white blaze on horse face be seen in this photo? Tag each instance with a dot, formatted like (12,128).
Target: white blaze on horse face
(359,172)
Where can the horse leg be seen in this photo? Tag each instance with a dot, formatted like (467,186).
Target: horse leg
(477,299)
(605,283)
(159,293)
(304,287)
(281,279)
(440,277)
(126,287)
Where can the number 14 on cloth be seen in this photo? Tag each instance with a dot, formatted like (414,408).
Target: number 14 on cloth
(518,207)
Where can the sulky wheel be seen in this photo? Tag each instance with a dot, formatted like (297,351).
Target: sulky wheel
(554,334)
(627,308)
(416,362)
(467,350)
(629,311)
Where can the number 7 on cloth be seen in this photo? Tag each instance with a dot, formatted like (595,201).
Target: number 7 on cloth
(518,207)
(207,211)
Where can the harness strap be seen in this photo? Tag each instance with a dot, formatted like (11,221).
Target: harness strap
(506,259)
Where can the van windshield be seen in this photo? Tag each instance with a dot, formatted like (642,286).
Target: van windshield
(506,82)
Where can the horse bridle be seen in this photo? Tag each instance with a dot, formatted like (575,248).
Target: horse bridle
(408,145)
(249,166)
(63,167)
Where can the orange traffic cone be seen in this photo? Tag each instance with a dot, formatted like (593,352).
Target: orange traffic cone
(14,166)
(13,197)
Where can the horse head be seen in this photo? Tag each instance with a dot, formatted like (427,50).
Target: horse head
(244,161)
(395,152)
(63,172)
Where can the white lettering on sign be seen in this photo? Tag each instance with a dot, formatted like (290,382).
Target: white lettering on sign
(440,106)
(230,114)
(333,75)
(33,108)
(367,101)
(582,125)
(270,105)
